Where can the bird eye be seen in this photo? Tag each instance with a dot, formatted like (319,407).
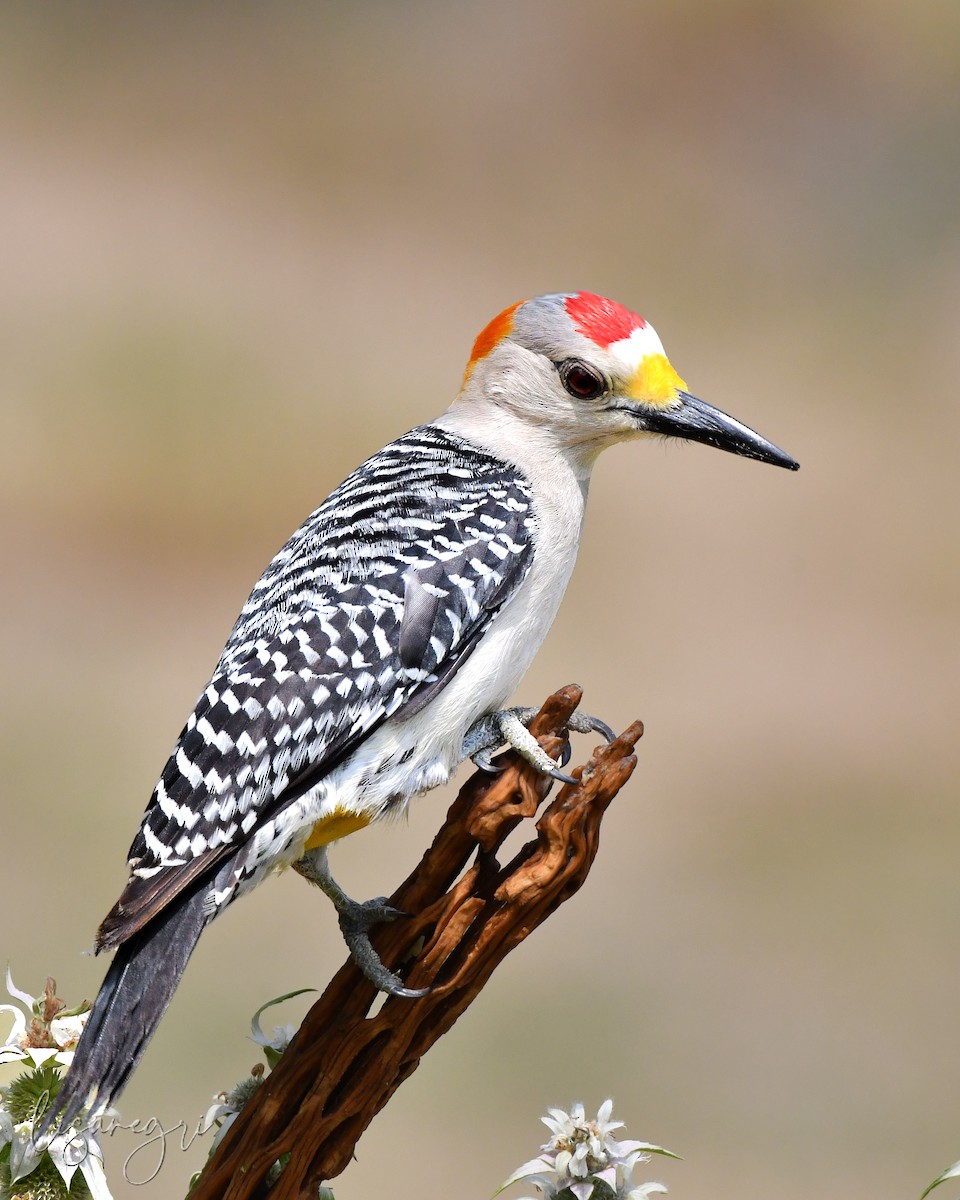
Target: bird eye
(582,381)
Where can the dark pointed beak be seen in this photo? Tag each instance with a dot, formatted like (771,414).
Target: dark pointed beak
(701,422)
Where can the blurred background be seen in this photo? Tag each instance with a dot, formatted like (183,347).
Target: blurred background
(245,245)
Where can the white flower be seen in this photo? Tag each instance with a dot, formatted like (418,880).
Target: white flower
(282,1034)
(584,1161)
(12,1049)
(44,1035)
(279,1040)
(223,1113)
(75,1150)
(38,1034)
(66,1033)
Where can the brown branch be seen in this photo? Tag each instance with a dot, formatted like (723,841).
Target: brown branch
(344,1064)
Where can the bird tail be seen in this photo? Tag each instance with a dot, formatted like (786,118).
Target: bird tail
(132,998)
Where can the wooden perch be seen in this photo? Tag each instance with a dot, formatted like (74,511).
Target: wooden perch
(468,913)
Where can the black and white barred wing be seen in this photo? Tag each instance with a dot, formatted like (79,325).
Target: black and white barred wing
(364,615)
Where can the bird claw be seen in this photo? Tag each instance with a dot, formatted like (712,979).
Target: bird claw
(561,777)
(482,760)
(581,722)
(356,920)
(509,726)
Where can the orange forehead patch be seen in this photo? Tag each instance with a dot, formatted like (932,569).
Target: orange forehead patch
(603,321)
(492,335)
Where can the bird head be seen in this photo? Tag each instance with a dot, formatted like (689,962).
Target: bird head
(586,373)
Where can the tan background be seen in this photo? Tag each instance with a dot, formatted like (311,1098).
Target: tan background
(244,246)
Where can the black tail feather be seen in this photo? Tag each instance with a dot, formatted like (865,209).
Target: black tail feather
(133,997)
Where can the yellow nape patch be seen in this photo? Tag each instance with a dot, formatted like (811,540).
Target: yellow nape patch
(334,826)
(655,381)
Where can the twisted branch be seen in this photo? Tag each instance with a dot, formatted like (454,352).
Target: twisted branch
(469,912)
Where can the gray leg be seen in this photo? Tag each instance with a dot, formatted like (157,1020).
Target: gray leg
(356,920)
(509,726)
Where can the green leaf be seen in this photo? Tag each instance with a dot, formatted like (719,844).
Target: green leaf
(255,1031)
(950,1173)
(82,1007)
(650,1148)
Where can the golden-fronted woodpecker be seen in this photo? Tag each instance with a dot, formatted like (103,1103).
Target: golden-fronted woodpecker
(378,648)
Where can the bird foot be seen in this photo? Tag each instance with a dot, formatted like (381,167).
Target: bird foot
(356,919)
(509,727)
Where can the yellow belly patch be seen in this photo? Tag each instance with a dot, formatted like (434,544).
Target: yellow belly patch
(334,826)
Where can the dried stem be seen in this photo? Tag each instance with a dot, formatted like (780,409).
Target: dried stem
(469,912)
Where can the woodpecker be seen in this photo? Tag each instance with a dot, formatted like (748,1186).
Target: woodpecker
(378,648)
